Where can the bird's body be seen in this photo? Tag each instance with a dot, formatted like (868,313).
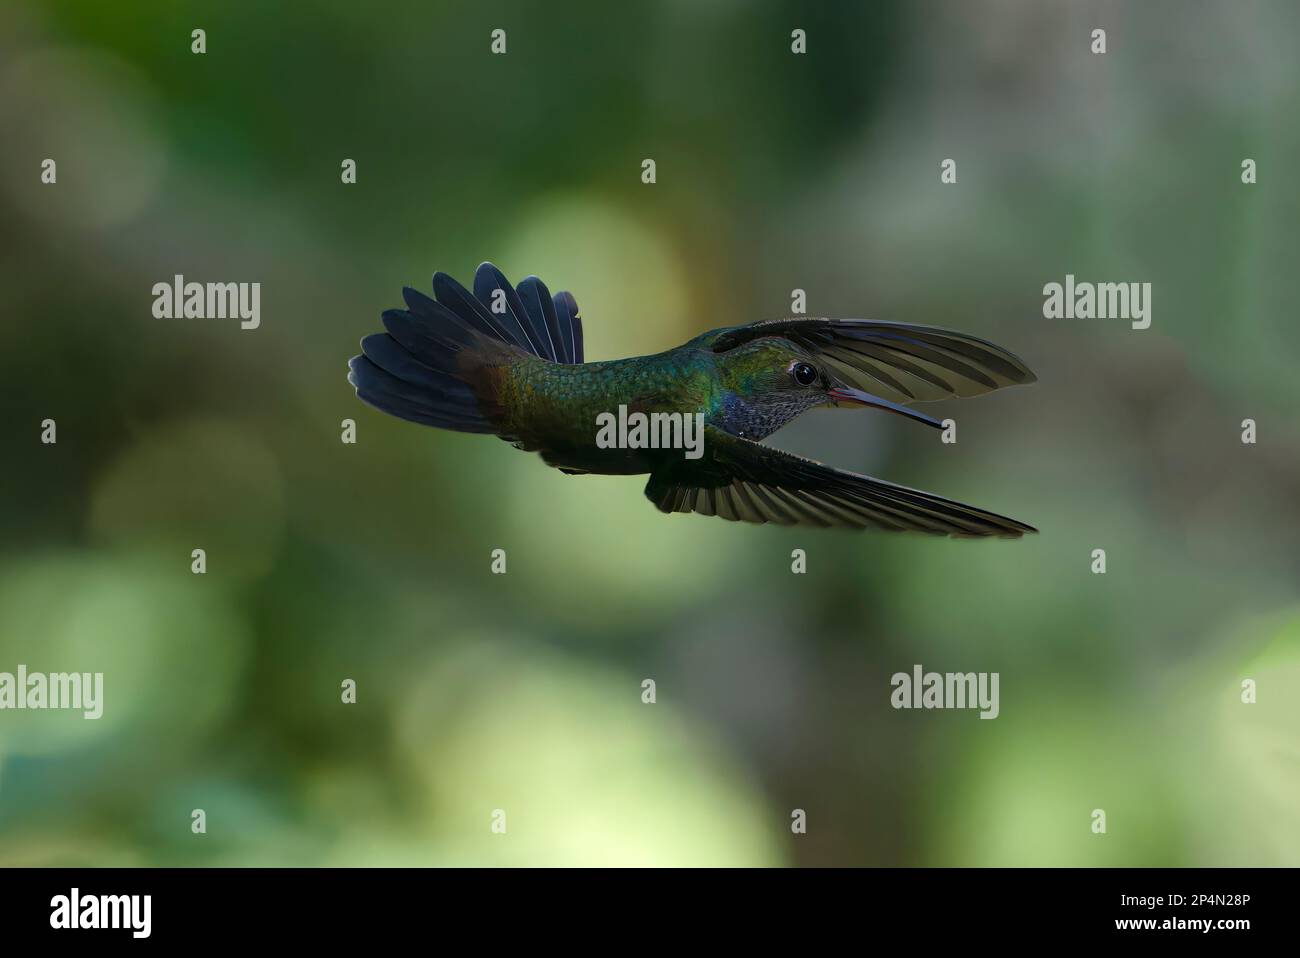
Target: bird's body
(552,408)
(510,362)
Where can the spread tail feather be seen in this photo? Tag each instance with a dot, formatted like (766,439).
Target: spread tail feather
(427,367)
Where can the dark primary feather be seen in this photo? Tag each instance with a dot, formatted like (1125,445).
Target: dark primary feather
(540,306)
(746,481)
(898,361)
(487,280)
(566,307)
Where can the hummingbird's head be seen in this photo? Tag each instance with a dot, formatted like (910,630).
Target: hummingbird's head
(768,382)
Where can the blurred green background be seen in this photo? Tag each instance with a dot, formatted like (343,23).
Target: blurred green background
(522,692)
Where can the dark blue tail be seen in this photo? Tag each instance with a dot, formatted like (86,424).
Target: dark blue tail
(423,369)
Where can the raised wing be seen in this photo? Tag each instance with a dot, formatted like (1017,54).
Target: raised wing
(897,361)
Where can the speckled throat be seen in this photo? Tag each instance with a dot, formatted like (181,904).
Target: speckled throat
(758,417)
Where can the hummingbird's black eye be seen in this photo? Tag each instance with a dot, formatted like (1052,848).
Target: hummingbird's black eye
(804,374)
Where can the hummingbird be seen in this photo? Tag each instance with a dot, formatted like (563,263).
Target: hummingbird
(508,361)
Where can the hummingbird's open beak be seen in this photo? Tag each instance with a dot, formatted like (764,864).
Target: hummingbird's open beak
(846,394)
